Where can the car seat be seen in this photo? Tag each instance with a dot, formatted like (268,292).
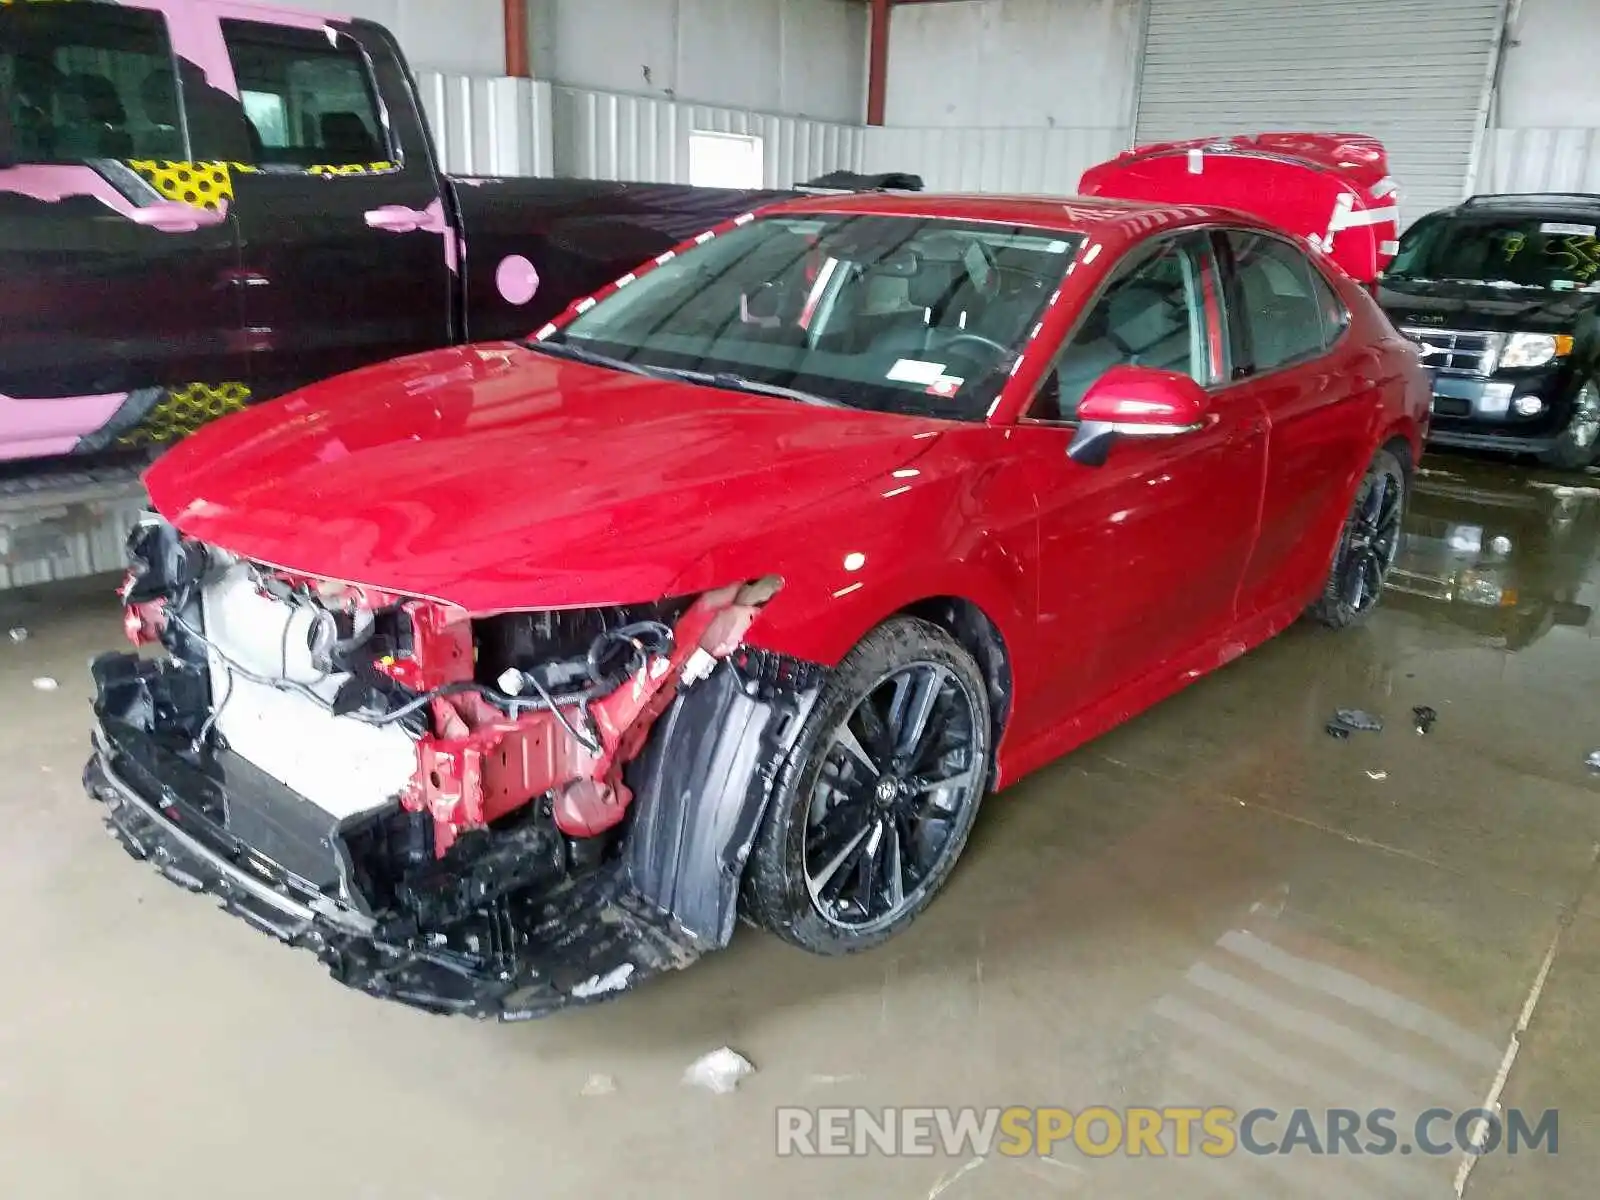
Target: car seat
(345,139)
(94,122)
(1142,325)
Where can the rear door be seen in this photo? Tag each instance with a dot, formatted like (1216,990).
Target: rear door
(118,323)
(1140,558)
(1294,360)
(349,250)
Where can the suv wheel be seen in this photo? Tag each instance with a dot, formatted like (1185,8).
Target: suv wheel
(1575,448)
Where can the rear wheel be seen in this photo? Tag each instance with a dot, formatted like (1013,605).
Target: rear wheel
(879,796)
(1367,547)
(1575,448)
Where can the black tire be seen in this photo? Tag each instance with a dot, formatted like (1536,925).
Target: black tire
(1576,448)
(830,789)
(1367,545)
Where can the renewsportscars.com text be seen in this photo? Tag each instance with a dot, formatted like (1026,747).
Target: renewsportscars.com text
(1214,1132)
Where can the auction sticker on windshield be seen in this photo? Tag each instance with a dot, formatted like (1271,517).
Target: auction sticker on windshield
(1563,227)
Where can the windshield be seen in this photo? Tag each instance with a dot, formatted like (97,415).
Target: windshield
(899,314)
(1505,251)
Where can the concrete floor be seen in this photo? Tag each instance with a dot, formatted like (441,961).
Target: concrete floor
(1216,904)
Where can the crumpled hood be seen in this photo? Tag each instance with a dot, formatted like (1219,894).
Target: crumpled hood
(496,478)
(1474,306)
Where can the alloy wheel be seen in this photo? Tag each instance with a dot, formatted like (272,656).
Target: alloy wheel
(897,774)
(1372,539)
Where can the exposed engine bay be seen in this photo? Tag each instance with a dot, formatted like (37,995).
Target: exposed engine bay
(491,814)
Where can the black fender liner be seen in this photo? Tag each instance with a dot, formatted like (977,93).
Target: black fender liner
(702,784)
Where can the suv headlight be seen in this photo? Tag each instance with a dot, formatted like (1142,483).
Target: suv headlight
(1534,349)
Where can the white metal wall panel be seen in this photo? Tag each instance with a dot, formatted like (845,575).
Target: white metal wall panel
(1413,73)
(75,524)
(1541,160)
(488,125)
(608,135)
(1029,161)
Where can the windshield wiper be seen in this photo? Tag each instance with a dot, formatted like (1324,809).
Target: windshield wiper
(739,383)
(593,357)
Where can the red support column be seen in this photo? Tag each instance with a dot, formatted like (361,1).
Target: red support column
(516,21)
(877,60)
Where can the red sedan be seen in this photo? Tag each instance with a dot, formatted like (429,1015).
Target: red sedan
(507,676)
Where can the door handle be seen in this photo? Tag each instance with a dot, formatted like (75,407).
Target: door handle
(396,218)
(173,216)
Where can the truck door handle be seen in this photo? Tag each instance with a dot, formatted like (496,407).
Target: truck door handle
(173,216)
(396,218)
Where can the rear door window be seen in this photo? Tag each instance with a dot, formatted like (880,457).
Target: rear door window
(1278,305)
(309,99)
(80,82)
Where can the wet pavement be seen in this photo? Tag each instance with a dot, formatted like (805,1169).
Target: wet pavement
(1216,905)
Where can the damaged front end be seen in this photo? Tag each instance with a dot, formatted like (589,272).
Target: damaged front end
(492,815)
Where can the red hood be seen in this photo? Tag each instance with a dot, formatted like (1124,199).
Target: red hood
(497,478)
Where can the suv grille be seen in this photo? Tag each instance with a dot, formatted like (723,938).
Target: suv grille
(1461,353)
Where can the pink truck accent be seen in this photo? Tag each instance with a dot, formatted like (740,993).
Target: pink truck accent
(36,428)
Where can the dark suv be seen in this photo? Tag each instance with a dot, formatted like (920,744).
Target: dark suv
(1503,294)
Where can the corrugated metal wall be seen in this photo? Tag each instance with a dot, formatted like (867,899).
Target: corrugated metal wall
(608,135)
(1414,73)
(1047,161)
(485,125)
(1540,160)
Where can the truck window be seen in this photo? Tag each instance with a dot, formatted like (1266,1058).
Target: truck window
(86,81)
(309,99)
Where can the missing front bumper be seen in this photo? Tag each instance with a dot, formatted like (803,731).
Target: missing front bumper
(526,955)
(561,937)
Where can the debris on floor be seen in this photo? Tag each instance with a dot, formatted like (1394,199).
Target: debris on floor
(599,1085)
(1425,717)
(1357,719)
(1337,730)
(1593,761)
(948,1180)
(720,1071)
(19,635)
(1378,775)
(45,684)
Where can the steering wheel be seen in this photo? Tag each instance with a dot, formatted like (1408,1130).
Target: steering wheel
(990,343)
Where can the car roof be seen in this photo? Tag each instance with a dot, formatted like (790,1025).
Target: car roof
(1095,216)
(1541,204)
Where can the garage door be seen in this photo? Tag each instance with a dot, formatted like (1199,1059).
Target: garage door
(1413,73)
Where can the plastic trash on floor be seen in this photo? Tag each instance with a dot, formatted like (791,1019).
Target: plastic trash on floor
(1358,719)
(720,1071)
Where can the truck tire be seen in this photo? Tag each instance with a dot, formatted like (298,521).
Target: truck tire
(878,797)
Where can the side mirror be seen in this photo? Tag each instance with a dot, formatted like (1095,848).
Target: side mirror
(1135,402)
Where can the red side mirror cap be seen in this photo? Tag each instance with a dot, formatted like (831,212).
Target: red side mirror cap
(1132,401)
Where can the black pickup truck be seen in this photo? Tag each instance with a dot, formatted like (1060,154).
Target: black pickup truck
(205,204)
(1503,295)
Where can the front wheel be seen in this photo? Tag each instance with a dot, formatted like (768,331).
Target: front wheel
(1367,546)
(1575,448)
(877,800)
